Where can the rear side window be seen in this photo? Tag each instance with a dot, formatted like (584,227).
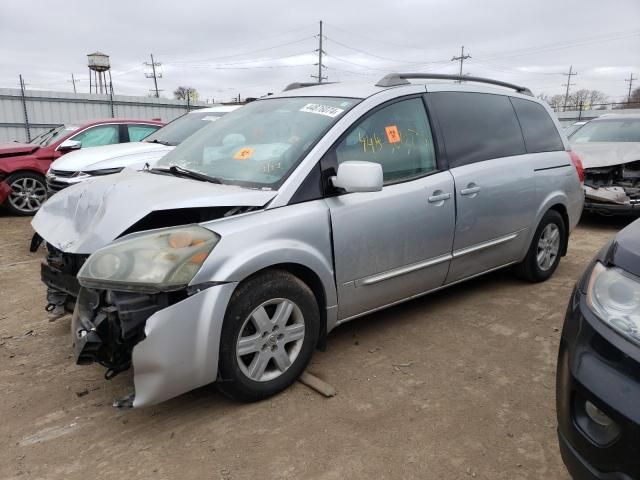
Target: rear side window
(477,126)
(540,133)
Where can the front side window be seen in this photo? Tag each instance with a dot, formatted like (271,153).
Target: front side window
(397,136)
(97,136)
(138,132)
(477,126)
(261,143)
(613,130)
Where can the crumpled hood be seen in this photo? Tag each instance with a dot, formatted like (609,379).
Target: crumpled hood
(606,154)
(109,156)
(15,148)
(87,216)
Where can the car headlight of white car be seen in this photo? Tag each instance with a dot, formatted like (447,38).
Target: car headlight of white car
(162,260)
(614,296)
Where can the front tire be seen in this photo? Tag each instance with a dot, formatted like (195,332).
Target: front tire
(270,330)
(28,193)
(545,250)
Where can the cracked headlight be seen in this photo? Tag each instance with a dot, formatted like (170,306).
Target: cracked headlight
(614,296)
(162,260)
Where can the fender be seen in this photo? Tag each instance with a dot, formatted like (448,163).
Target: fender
(296,234)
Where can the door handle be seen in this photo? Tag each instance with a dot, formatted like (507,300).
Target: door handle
(470,190)
(439,197)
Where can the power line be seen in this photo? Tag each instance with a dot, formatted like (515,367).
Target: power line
(556,46)
(630,81)
(381,56)
(239,45)
(566,95)
(259,50)
(320,51)
(462,58)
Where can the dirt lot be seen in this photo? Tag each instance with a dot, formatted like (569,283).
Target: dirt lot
(456,385)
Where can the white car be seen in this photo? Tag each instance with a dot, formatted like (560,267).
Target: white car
(83,164)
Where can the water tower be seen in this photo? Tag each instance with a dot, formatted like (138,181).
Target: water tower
(99,64)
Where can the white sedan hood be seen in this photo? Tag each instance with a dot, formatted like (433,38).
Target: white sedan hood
(87,216)
(130,154)
(606,154)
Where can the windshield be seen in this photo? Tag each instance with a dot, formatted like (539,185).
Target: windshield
(571,129)
(175,132)
(259,144)
(53,135)
(614,130)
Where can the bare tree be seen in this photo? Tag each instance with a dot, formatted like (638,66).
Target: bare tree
(597,97)
(587,97)
(181,93)
(634,100)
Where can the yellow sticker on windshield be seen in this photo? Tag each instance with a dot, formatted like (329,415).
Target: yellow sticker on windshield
(243,153)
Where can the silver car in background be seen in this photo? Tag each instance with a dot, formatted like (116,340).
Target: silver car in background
(232,260)
(609,147)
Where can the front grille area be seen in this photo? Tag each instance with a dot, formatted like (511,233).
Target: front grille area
(62,173)
(53,185)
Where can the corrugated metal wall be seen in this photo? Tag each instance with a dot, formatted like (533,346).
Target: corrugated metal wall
(47,109)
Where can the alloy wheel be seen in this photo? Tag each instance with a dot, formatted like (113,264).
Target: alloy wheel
(548,247)
(270,339)
(27,194)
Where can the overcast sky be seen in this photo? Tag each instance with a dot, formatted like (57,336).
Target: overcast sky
(255,47)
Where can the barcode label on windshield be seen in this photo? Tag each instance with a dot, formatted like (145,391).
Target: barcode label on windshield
(322,110)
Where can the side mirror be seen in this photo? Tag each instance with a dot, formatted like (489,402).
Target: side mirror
(358,176)
(69,145)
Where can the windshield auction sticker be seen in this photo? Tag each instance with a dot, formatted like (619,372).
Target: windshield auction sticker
(322,110)
(243,153)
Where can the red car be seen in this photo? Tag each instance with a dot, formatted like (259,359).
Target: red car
(23,165)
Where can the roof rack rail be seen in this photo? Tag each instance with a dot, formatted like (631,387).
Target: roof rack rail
(295,85)
(395,79)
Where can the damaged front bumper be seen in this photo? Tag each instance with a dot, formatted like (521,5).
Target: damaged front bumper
(611,200)
(170,339)
(612,190)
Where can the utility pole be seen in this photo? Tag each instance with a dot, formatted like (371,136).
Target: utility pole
(566,95)
(153,74)
(24,110)
(462,58)
(630,81)
(74,81)
(319,77)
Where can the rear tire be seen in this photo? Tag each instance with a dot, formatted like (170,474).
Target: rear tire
(270,330)
(28,193)
(545,250)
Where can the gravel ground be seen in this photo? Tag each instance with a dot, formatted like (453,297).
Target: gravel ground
(455,385)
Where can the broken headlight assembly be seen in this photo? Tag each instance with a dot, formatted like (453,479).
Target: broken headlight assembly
(162,260)
(614,296)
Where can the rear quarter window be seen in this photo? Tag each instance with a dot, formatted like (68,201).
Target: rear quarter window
(539,131)
(477,126)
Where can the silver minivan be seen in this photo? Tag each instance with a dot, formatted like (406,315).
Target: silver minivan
(234,257)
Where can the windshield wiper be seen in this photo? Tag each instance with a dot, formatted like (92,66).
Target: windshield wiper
(183,172)
(161,142)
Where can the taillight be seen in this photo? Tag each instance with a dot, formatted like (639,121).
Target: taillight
(575,159)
